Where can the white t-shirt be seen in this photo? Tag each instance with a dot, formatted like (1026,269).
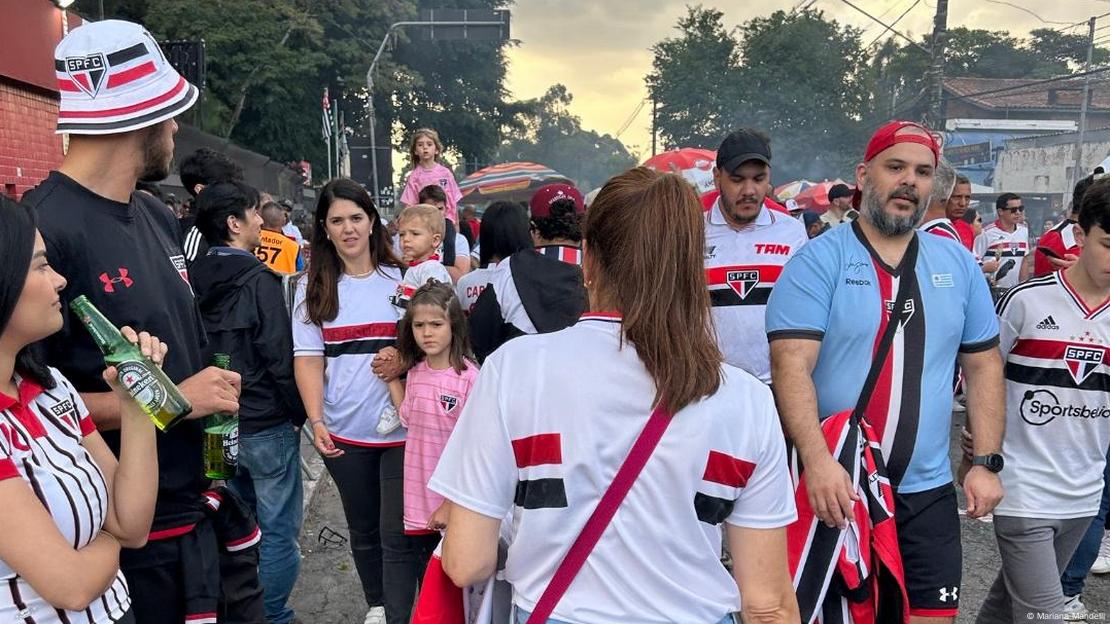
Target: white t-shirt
(353,396)
(995,243)
(548,423)
(471,285)
(416,276)
(741,268)
(1057,400)
(512,308)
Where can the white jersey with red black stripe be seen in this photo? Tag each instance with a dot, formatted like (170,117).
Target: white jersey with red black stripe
(548,422)
(41,436)
(366,323)
(417,275)
(741,268)
(1057,352)
(564,253)
(995,243)
(941,227)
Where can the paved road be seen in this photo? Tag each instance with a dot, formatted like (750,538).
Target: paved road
(328,591)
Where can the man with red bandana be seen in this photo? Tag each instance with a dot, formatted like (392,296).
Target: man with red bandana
(829,308)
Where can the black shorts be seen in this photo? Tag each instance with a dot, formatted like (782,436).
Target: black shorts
(929,538)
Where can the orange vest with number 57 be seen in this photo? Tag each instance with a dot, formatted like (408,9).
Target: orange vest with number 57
(278,251)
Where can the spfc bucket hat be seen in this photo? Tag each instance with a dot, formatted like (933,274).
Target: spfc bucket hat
(113,78)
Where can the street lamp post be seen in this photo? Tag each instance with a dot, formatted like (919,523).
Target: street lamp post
(465,23)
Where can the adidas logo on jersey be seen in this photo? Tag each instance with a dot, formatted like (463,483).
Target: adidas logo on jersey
(1048,323)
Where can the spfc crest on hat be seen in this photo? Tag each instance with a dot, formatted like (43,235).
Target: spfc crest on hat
(88,72)
(742,281)
(448,402)
(1082,360)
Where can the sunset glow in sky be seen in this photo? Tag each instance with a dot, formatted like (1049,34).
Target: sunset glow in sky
(601,50)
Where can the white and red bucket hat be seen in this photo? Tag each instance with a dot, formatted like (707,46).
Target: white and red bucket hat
(113,78)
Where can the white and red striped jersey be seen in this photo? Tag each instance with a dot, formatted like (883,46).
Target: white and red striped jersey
(367,322)
(418,274)
(941,227)
(995,243)
(1057,352)
(741,268)
(564,253)
(40,442)
(548,422)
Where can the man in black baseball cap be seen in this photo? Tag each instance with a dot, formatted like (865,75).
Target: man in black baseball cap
(743,174)
(840,206)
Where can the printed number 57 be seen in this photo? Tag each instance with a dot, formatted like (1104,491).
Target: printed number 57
(268,255)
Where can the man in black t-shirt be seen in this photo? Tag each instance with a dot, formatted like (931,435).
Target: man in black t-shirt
(122,250)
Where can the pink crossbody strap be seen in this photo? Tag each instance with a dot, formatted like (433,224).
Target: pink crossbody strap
(603,514)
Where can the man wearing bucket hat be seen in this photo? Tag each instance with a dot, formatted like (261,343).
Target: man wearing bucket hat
(832,303)
(122,250)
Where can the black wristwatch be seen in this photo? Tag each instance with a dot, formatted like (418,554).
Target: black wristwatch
(992,462)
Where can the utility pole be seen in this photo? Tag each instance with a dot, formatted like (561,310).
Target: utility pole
(653,131)
(936,66)
(1077,170)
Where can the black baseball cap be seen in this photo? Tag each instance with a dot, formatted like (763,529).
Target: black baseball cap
(741,146)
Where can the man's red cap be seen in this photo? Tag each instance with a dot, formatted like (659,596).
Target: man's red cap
(888,136)
(540,204)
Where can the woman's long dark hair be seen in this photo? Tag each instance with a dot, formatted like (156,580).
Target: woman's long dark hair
(441,296)
(322,291)
(17,244)
(504,231)
(657,283)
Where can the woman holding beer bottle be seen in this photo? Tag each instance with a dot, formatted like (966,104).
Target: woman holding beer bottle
(66,505)
(342,316)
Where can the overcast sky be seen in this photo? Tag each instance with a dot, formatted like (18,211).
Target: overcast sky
(600,50)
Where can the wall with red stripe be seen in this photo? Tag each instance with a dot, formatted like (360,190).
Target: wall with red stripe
(29,149)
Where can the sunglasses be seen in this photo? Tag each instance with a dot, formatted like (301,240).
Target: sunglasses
(1014,209)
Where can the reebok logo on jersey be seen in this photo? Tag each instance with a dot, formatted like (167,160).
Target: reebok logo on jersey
(110,282)
(1048,323)
(1082,360)
(448,402)
(743,281)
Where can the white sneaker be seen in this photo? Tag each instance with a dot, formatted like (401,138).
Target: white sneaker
(1074,611)
(1102,563)
(387,424)
(376,615)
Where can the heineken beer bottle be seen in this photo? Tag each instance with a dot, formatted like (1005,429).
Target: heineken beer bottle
(144,381)
(221,436)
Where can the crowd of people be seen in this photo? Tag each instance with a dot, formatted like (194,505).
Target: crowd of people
(553,397)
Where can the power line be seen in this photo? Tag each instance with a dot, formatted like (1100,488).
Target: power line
(1021,8)
(887,27)
(894,23)
(631,118)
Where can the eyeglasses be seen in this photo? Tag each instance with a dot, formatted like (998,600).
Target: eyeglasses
(1014,209)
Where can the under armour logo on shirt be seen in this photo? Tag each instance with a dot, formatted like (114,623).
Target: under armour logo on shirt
(110,282)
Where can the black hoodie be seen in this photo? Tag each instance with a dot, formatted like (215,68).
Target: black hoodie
(244,314)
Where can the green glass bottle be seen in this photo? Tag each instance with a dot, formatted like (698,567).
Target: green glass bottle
(152,390)
(221,436)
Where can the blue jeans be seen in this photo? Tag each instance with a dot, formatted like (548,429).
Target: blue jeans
(1075,575)
(520,616)
(269,480)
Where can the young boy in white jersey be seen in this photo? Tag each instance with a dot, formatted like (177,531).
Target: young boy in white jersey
(420,229)
(1055,336)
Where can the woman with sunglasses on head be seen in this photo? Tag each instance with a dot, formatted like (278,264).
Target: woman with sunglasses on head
(67,505)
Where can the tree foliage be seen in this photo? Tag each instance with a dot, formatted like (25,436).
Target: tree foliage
(553,137)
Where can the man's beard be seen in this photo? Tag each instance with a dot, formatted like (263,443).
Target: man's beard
(729,206)
(872,206)
(156,162)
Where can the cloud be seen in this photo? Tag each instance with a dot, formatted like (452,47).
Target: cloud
(601,50)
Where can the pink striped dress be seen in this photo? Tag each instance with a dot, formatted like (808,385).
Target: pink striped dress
(433,401)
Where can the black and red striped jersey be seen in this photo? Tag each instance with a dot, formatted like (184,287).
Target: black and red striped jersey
(941,227)
(563,253)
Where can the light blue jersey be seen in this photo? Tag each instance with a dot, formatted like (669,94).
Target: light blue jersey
(838,291)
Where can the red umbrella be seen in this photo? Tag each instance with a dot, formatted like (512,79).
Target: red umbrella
(816,197)
(692,163)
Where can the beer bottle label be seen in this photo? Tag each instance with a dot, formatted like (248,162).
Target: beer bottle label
(231,444)
(141,384)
